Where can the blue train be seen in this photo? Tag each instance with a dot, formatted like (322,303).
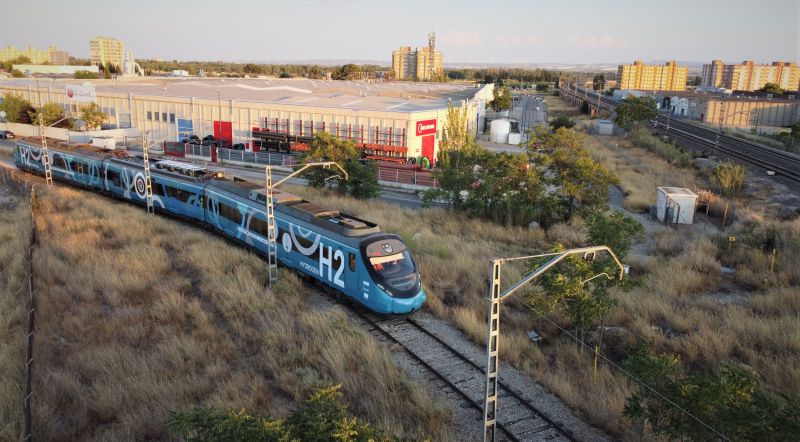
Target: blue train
(346,253)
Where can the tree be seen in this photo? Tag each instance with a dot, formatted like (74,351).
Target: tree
(285,75)
(51,112)
(613,229)
(771,88)
(568,288)
(17,108)
(562,121)
(634,109)
(251,68)
(501,99)
(456,75)
(362,177)
(346,72)
(456,134)
(542,87)
(575,178)
(796,130)
(85,75)
(93,116)
(729,399)
(499,187)
(599,82)
(696,80)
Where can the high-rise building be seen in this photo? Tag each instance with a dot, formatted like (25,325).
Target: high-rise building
(669,77)
(104,50)
(749,76)
(421,64)
(37,56)
(110,51)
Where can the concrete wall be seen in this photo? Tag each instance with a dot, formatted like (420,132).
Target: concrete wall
(28,130)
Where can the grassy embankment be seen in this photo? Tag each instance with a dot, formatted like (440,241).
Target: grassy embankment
(682,303)
(139,315)
(14,240)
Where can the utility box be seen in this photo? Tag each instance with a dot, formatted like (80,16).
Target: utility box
(603,127)
(675,205)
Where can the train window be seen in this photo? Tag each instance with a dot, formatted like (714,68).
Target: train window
(230,213)
(113,176)
(58,161)
(158,189)
(76,166)
(352,262)
(171,192)
(258,226)
(183,196)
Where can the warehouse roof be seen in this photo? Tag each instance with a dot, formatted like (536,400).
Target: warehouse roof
(389,96)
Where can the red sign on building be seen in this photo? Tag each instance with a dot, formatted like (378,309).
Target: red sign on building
(426,127)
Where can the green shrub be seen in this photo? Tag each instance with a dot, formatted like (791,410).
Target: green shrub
(729,178)
(641,136)
(322,418)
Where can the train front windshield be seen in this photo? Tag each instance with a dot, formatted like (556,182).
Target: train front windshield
(390,263)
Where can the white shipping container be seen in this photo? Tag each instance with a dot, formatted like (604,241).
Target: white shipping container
(675,205)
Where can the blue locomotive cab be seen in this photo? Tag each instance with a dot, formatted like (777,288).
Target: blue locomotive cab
(394,274)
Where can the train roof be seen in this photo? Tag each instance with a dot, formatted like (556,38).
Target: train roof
(295,206)
(73,147)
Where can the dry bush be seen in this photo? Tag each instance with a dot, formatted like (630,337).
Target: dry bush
(139,315)
(14,239)
(729,178)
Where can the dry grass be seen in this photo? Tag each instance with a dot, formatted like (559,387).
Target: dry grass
(680,303)
(639,171)
(139,315)
(14,237)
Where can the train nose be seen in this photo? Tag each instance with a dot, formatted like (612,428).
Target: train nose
(408,305)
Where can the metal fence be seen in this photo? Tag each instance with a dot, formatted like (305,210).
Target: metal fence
(386,174)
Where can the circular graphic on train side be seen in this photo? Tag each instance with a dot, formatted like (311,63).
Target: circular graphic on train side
(139,184)
(287,243)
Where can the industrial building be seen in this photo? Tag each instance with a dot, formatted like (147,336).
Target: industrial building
(420,64)
(37,56)
(640,76)
(749,76)
(398,120)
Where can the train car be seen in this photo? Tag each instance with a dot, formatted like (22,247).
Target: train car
(345,253)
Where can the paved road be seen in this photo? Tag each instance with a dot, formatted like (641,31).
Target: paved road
(529,110)
(401,198)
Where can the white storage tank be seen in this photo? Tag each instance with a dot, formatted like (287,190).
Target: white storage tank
(675,205)
(499,130)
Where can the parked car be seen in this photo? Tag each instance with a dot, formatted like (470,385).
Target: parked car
(238,146)
(6,134)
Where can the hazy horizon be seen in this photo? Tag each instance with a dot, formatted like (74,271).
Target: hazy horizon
(571,32)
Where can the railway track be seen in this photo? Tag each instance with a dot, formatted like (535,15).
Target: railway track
(782,163)
(518,419)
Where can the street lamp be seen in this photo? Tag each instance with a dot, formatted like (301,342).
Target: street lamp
(493,319)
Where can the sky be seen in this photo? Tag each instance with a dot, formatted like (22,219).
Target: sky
(467,31)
